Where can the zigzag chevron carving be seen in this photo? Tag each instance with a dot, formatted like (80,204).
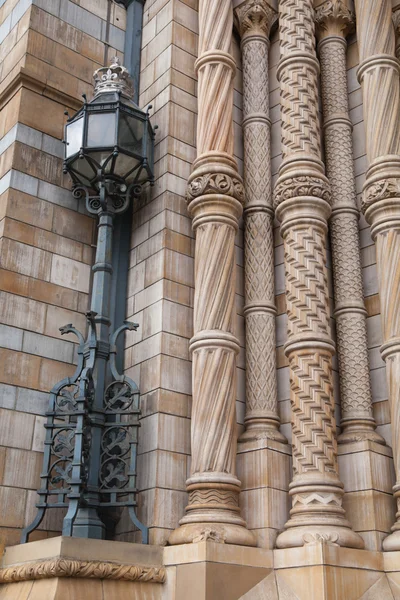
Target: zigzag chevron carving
(302,201)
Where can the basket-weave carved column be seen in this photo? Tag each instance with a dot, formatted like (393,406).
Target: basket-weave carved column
(254,20)
(215,199)
(334,20)
(302,200)
(379,77)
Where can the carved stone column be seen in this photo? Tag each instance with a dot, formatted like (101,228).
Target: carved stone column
(379,77)
(215,199)
(254,20)
(334,20)
(303,206)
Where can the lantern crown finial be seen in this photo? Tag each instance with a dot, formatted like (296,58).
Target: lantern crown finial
(114,78)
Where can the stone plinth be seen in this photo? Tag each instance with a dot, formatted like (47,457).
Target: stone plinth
(366,469)
(327,572)
(264,468)
(74,568)
(71,568)
(211,571)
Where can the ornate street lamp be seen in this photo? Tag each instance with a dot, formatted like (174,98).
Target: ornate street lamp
(93,418)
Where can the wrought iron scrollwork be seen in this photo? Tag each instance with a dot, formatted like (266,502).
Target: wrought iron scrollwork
(117,479)
(68,438)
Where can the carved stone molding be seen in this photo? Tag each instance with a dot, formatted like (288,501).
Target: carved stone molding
(380,190)
(65,567)
(334,18)
(302,201)
(350,314)
(379,77)
(215,195)
(255,17)
(302,185)
(216,183)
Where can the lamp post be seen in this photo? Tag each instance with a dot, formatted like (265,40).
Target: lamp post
(93,417)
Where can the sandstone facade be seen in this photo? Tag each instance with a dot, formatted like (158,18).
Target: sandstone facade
(263,270)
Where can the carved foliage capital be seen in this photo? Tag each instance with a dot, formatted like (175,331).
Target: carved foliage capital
(215,183)
(380,190)
(301,186)
(255,17)
(334,18)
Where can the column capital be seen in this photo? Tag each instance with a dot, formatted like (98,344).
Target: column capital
(333,18)
(255,18)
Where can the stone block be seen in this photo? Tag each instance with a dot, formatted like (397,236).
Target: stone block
(165,401)
(70,224)
(8,394)
(267,466)
(17,368)
(46,240)
(161,468)
(70,273)
(41,113)
(51,372)
(81,19)
(29,209)
(25,259)
(32,401)
(165,432)
(370,510)
(10,337)
(265,507)
(161,507)
(22,468)
(56,195)
(12,506)
(47,347)
(56,317)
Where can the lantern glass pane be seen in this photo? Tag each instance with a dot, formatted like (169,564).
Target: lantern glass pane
(124,164)
(130,133)
(74,133)
(101,130)
(83,170)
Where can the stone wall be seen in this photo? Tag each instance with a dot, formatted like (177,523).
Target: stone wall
(49,50)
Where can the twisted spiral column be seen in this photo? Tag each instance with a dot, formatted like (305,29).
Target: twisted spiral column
(215,199)
(379,77)
(302,200)
(254,20)
(334,20)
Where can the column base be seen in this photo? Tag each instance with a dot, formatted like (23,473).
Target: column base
(298,536)
(360,430)
(264,468)
(317,513)
(366,470)
(222,533)
(262,431)
(392,542)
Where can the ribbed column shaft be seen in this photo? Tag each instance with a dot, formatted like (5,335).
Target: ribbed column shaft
(379,77)
(215,199)
(302,200)
(334,20)
(254,19)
